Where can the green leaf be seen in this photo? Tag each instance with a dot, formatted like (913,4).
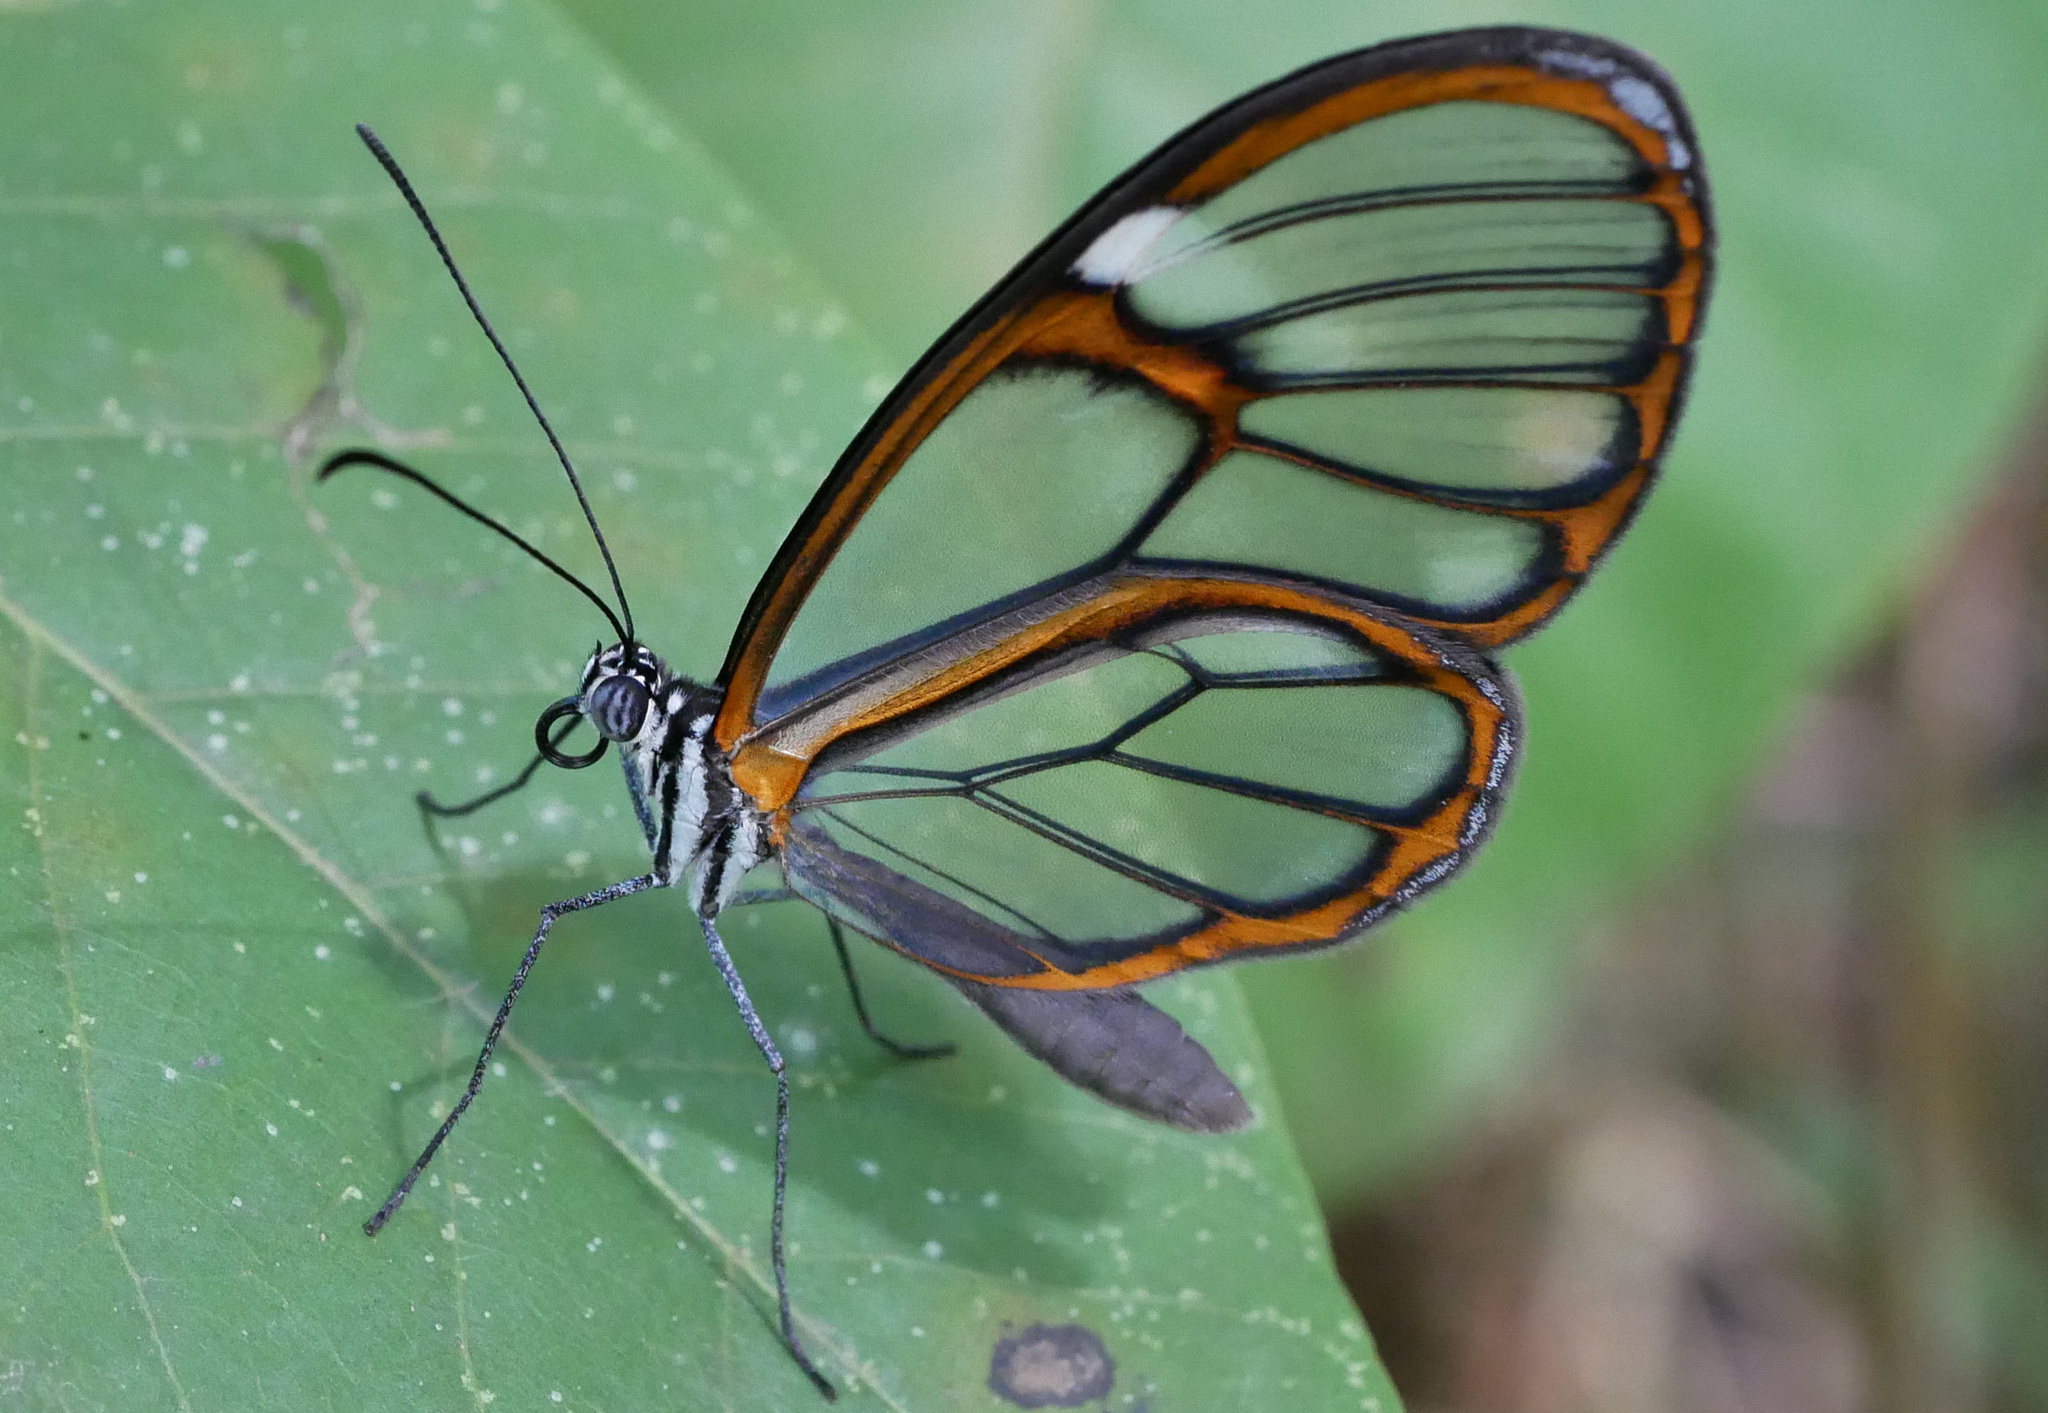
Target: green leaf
(242,978)
(1880,311)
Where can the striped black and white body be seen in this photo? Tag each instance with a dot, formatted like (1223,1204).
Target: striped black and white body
(700,827)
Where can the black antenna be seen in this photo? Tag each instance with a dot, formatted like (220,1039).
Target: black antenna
(363,456)
(419,210)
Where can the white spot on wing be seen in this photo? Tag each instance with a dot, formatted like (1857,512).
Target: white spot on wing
(1114,255)
(1641,101)
(1590,65)
(1634,95)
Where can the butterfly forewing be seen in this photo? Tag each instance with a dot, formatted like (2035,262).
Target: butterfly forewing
(1386,352)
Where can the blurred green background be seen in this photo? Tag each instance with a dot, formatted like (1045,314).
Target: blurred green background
(1715,1084)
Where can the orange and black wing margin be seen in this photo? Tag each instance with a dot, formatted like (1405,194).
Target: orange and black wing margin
(1145,624)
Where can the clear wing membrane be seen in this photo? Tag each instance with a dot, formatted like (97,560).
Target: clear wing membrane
(1126,787)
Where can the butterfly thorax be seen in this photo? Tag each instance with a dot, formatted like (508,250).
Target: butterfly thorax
(697,822)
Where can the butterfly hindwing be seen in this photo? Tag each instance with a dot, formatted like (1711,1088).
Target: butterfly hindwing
(1145,773)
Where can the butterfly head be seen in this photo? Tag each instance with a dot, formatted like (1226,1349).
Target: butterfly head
(624,697)
(620,684)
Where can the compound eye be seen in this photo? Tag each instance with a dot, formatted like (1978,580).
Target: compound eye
(617,707)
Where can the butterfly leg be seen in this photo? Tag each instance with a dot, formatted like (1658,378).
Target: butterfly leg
(548,915)
(774,1058)
(898,1048)
(902,1050)
(642,811)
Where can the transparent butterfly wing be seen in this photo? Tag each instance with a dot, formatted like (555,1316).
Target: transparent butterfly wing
(1356,377)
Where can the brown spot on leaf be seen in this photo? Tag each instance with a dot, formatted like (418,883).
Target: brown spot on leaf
(1051,1366)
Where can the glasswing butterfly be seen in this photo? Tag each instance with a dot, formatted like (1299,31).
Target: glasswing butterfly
(1145,625)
